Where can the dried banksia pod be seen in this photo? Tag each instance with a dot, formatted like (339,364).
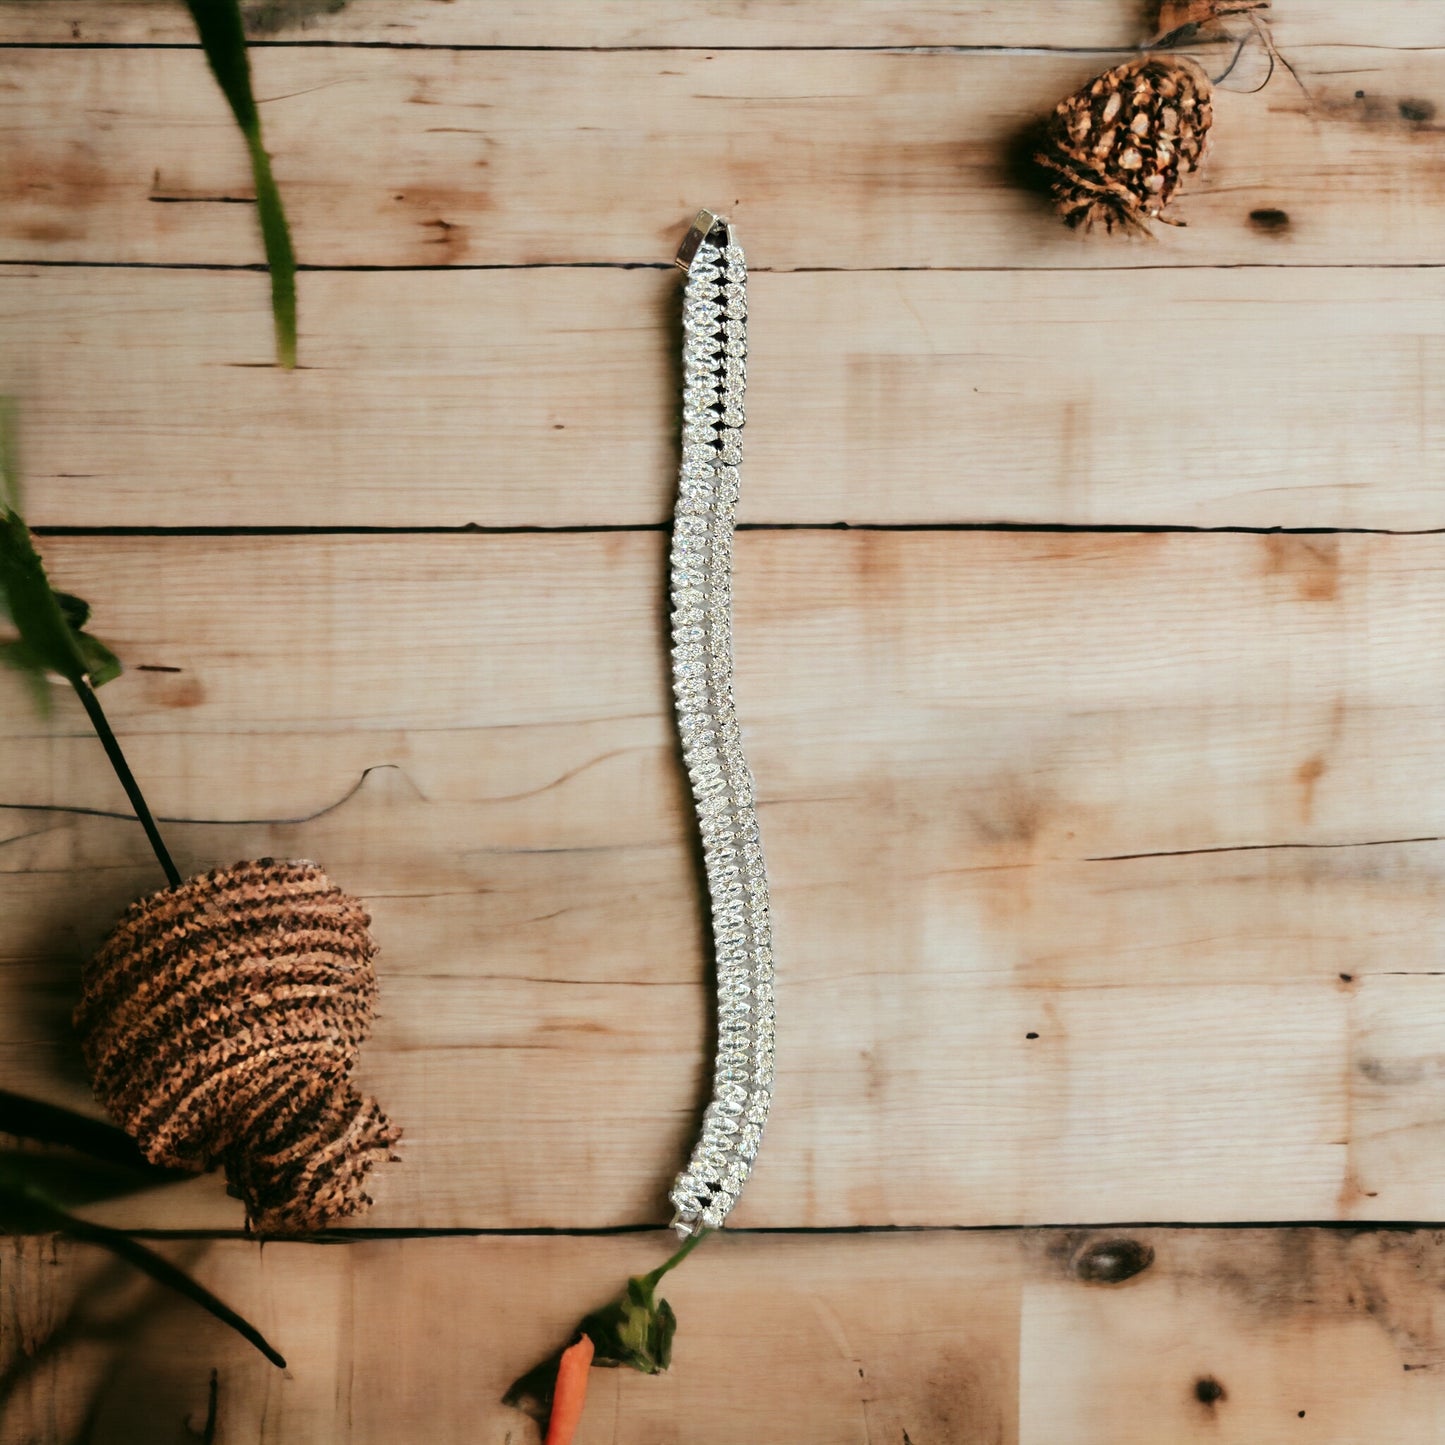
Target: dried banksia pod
(1118,148)
(220,1022)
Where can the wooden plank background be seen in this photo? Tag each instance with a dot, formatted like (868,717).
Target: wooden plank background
(1305,1334)
(852,159)
(1104,816)
(1162,397)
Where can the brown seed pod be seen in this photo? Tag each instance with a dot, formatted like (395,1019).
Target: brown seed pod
(220,1022)
(1118,148)
(1180,21)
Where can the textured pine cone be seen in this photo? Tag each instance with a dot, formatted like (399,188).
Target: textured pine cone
(220,1022)
(1119,147)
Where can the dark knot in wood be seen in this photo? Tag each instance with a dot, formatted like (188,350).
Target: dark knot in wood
(1112,1261)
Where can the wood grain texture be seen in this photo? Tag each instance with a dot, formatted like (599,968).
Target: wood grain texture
(936,1339)
(547,398)
(1109,901)
(1107,868)
(603,24)
(851,159)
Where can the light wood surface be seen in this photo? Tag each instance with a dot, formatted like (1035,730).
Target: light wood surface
(962,741)
(1107,860)
(934,1339)
(852,159)
(624,24)
(544,398)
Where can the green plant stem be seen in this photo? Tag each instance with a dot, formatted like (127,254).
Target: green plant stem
(91,703)
(677,1259)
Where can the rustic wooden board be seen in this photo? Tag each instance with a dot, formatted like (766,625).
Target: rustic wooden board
(603,24)
(547,398)
(852,159)
(1107,867)
(1154,810)
(935,1339)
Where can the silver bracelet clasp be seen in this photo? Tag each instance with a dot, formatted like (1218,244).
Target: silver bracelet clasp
(703,225)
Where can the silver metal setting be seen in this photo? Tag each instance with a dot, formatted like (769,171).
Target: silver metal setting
(714,381)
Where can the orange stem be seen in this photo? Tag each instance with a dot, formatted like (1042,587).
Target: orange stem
(571,1392)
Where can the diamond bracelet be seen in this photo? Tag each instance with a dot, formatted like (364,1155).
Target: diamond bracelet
(714,358)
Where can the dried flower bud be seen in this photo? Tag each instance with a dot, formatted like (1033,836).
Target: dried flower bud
(220,1022)
(1119,148)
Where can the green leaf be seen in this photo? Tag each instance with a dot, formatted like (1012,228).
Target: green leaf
(33,607)
(533,1392)
(223,38)
(49,622)
(19,658)
(101,664)
(25,1209)
(280,257)
(665,1330)
(49,641)
(76,609)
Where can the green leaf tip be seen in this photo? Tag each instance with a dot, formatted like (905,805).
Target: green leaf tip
(223,38)
(50,623)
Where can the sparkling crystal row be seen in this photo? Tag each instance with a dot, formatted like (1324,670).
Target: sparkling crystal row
(714,374)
